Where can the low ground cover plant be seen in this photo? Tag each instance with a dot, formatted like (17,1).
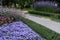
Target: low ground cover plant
(4,19)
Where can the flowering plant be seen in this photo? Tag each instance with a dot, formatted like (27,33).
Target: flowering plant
(4,19)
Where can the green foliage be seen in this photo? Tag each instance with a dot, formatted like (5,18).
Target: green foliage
(45,8)
(46,11)
(21,3)
(6,2)
(53,16)
(25,3)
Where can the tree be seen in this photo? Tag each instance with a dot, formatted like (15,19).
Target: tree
(21,3)
(25,3)
(6,2)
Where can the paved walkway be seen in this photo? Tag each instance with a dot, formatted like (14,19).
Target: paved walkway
(55,26)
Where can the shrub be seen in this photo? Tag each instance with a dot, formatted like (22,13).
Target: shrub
(4,19)
(46,8)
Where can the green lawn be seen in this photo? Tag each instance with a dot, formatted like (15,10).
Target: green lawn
(40,29)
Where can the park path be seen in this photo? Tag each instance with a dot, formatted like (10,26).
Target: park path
(48,23)
(55,26)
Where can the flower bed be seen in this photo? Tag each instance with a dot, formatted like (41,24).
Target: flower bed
(4,19)
(18,31)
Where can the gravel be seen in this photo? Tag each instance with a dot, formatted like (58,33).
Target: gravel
(18,31)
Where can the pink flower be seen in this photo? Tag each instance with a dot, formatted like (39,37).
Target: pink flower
(5,19)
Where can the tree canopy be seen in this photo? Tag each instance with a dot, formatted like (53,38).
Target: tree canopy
(23,3)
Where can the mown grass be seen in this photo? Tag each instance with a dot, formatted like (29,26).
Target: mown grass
(42,30)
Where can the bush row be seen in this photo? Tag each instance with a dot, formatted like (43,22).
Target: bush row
(46,8)
(46,14)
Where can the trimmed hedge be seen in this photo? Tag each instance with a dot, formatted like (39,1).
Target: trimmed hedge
(46,14)
(46,8)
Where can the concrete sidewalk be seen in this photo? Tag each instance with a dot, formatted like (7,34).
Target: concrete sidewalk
(55,26)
